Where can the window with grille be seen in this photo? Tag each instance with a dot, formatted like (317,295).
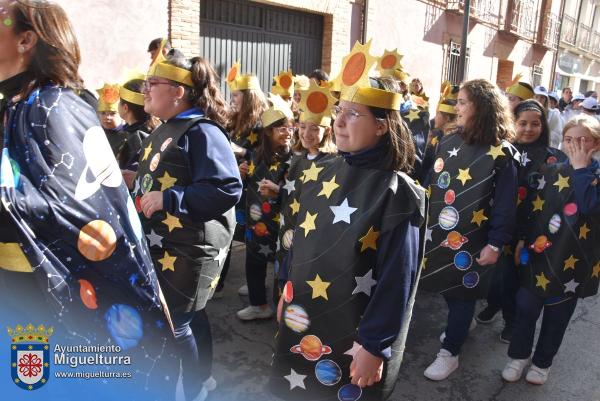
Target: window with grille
(453,62)
(536,75)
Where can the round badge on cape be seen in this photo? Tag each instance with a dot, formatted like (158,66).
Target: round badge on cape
(448,218)
(147,183)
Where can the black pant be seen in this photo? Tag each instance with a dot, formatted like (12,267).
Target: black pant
(503,290)
(554,324)
(256,273)
(460,315)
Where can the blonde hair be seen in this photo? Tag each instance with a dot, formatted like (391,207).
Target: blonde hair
(589,123)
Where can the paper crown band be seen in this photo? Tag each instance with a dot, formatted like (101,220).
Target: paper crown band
(319,119)
(244,82)
(373,97)
(131,96)
(520,91)
(446,108)
(278,110)
(106,106)
(171,72)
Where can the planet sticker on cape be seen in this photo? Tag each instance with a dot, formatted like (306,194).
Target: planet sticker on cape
(147,183)
(166,143)
(125,325)
(101,168)
(448,218)
(463,260)
(97,240)
(328,372)
(449,197)
(551,160)
(524,256)
(296,318)
(541,244)
(532,180)
(87,294)
(288,292)
(138,204)
(260,229)
(349,392)
(438,165)
(154,162)
(471,279)
(444,180)
(266,207)
(240,217)
(454,240)
(570,209)
(255,212)
(311,348)
(522,193)
(288,238)
(554,224)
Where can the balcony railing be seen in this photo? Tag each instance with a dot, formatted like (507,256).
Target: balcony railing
(569,30)
(551,31)
(584,37)
(523,18)
(596,43)
(483,10)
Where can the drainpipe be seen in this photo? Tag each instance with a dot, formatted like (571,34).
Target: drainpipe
(557,51)
(365,21)
(463,43)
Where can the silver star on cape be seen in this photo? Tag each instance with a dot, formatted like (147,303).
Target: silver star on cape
(342,212)
(364,283)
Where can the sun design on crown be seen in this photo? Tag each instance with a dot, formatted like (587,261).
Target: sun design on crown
(30,333)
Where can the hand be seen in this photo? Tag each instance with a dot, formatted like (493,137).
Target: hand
(128,177)
(518,250)
(151,202)
(366,369)
(244,169)
(268,189)
(487,256)
(578,156)
(279,309)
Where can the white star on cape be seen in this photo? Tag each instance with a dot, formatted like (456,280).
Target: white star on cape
(290,186)
(154,239)
(221,256)
(137,186)
(342,212)
(295,379)
(571,286)
(265,250)
(352,351)
(524,159)
(428,232)
(281,220)
(364,283)
(453,152)
(541,183)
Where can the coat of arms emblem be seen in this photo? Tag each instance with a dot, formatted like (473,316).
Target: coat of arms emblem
(30,355)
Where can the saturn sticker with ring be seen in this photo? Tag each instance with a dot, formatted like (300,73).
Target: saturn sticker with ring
(166,143)
(154,162)
(146,183)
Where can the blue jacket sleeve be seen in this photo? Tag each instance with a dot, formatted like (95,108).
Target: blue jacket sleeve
(504,210)
(216,186)
(587,196)
(395,271)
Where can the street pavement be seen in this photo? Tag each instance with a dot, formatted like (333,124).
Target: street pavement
(243,352)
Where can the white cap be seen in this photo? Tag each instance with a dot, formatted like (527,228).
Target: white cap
(540,90)
(589,103)
(578,96)
(554,96)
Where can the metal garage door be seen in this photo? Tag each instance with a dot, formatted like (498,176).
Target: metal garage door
(265,39)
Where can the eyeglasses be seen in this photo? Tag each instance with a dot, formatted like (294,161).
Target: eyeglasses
(149,84)
(351,114)
(285,130)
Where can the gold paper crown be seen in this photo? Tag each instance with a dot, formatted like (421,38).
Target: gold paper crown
(237,81)
(301,82)
(355,68)
(129,95)
(284,84)
(30,333)
(316,105)
(521,91)
(160,68)
(372,97)
(389,63)
(278,109)
(449,92)
(401,75)
(108,97)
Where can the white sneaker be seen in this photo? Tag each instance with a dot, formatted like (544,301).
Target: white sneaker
(243,290)
(210,384)
(255,312)
(443,365)
(537,375)
(471,328)
(514,369)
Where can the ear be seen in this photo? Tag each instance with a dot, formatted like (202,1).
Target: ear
(28,40)
(382,128)
(179,92)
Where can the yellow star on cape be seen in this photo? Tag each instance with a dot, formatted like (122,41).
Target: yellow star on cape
(583,231)
(251,167)
(309,223)
(172,222)
(428,191)
(596,272)
(424,263)
(147,151)
(434,141)
(252,138)
(542,281)
(328,187)
(495,151)
(274,166)
(166,181)
(214,282)
(369,240)
(463,175)
(168,262)
(478,217)
(319,287)
(538,203)
(276,218)
(295,206)
(570,263)
(562,183)
(413,114)
(312,173)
